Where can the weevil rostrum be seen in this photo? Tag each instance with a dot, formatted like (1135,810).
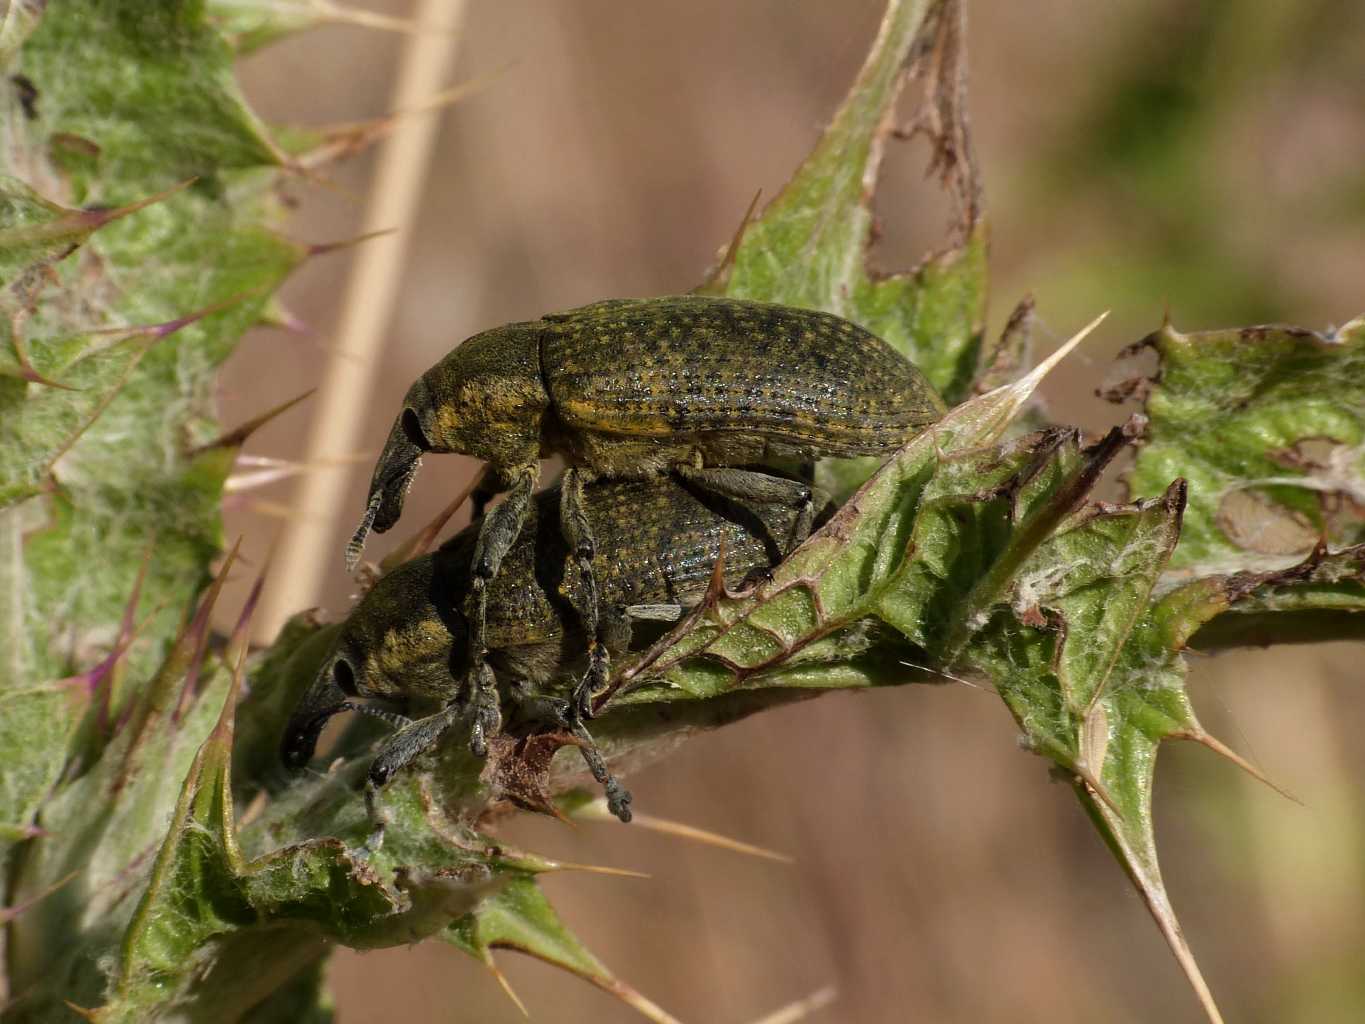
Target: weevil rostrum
(628,389)
(407,643)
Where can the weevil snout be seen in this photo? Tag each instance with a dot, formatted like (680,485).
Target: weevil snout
(393,475)
(397,466)
(329,695)
(301,739)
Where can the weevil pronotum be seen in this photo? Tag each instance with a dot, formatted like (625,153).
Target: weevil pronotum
(628,388)
(407,642)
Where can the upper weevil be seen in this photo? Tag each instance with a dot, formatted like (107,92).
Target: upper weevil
(633,387)
(406,644)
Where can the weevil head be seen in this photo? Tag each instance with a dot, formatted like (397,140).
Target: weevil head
(484,399)
(400,646)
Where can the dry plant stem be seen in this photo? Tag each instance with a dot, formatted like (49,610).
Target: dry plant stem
(370,295)
(802,1008)
(348,15)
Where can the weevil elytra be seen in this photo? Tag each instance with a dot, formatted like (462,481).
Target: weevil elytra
(406,644)
(629,388)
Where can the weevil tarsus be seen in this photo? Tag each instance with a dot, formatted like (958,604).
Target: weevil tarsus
(482,706)
(565,714)
(618,797)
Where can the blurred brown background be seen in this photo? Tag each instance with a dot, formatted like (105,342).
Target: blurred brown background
(1135,154)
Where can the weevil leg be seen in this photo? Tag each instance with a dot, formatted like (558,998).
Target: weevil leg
(497,534)
(577,531)
(618,797)
(482,705)
(654,612)
(401,749)
(564,713)
(491,484)
(619,627)
(747,485)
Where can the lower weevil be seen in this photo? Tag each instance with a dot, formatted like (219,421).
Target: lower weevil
(406,644)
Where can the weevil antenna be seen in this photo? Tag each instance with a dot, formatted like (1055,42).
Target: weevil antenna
(356,545)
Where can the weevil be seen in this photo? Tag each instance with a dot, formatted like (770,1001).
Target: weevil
(629,388)
(407,644)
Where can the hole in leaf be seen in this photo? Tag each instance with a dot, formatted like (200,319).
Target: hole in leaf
(1254,522)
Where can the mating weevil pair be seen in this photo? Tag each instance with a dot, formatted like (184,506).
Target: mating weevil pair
(690,386)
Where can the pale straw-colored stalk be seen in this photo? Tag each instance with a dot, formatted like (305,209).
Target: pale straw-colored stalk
(369,300)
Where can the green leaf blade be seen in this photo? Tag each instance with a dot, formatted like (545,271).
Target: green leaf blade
(1268,425)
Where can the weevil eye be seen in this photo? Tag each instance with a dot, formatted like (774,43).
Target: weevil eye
(412,427)
(344,677)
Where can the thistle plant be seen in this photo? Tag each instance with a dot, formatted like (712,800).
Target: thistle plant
(157,862)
